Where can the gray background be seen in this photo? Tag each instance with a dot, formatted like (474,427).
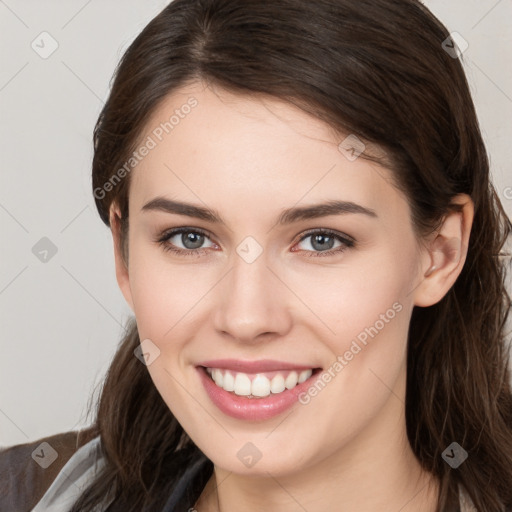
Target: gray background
(61,319)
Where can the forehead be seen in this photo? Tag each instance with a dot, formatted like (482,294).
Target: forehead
(210,144)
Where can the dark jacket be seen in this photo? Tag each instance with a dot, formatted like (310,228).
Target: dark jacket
(22,480)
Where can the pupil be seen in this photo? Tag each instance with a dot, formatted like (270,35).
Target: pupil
(195,239)
(321,239)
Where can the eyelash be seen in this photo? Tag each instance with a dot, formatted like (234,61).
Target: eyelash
(162,239)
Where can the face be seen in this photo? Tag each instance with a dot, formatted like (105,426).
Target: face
(268,291)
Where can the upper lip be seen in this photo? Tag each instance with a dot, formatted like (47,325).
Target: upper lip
(263,365)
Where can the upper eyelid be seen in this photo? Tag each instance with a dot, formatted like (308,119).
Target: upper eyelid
(334,232)
(168,233)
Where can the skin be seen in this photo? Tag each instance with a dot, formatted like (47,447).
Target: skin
(249,159)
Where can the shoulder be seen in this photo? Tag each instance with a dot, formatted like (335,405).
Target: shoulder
(27,470)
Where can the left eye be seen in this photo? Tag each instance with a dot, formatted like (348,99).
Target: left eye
(192,239)
(322,242)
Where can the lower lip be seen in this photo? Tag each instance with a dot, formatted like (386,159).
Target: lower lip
(244,408)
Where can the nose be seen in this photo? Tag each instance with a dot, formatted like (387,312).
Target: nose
(252,303)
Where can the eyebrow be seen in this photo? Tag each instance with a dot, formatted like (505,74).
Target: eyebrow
(288,216)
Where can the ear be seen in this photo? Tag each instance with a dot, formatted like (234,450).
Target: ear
(122,274)
(445,254)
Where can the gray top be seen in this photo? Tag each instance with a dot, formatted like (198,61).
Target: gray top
(73,479)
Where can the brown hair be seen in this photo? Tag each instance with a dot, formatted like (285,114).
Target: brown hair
(376,69)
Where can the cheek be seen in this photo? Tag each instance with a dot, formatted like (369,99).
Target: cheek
(165,300)
(362,315)
(367,321)
(164,294)
(368,291)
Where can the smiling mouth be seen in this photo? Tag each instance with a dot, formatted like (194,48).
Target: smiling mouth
(258,385)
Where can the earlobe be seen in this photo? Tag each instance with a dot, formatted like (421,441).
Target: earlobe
(446,254)
(122,274)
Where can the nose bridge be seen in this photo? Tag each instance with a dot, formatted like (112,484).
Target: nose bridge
(249,279)
(251,302)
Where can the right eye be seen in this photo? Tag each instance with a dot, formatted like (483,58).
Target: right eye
(190,238)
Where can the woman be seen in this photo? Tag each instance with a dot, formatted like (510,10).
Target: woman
(305,229)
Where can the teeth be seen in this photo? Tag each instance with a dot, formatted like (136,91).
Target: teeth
(242,385)
(304,375)
(229,382)
(291,381)
(277,384)
(217,377)
(260,386)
